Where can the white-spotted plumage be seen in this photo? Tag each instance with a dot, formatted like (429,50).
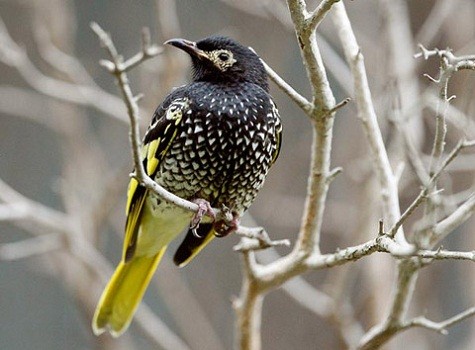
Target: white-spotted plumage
(228,144)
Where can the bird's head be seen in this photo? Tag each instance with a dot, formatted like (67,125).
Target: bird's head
(221,59)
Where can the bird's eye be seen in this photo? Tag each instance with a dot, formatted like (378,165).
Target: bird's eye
(223,56)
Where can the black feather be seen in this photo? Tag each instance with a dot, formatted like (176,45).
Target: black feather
(191,242)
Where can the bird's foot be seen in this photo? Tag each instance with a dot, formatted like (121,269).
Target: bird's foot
(204,209)
(228,224)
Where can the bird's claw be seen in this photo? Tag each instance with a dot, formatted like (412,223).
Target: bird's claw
(204,209)
(223,228)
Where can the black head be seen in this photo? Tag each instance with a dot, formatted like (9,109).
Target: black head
(221,59)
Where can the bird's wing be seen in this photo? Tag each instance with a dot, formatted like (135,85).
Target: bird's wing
(157,141)
(193,244)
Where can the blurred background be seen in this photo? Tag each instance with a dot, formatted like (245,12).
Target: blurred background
(64,147)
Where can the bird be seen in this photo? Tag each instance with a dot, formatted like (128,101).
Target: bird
(211,142)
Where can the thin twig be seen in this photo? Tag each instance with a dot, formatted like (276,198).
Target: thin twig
(440,327)
(424,193)
(317,16)
(58,59)
(23,209)
(339,105)
(333,174)
(299,100)
(459,216)
(31,247)
(439,13)
(442,254)
(449,63)
(258,239)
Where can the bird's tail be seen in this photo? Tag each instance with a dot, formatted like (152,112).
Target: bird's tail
(123,294)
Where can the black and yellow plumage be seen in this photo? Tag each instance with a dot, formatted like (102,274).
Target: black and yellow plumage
(214,140)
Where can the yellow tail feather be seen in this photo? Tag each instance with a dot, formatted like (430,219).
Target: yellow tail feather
(123,294)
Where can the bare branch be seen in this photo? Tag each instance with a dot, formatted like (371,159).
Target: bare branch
(452,61)
(386,332)
(339,105)
(301,101)
(323,103)
(458,217)
(58,59)
(87,95)
(435,20)
(248,306)
(20,208)
(442,254)
(424,194)
(46,219)
(368,117)
(30,247)
(449,63)
(407,269)
(440,327)
(454,115)
(317,16)
(334,173)
(321,113)
(258,239)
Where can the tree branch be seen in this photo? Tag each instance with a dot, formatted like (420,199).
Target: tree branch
(30,247)
(49,220)
(87,95)
(258,239)
(424,194)
(317,16)
(440,327)
(367,115)
(321,113)
(442,254)
(450,223)
(299,100)
(449,64)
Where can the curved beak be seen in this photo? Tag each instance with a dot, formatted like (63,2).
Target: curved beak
(187,46)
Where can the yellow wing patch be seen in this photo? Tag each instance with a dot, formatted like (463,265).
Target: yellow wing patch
(152,161)
(130,193)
